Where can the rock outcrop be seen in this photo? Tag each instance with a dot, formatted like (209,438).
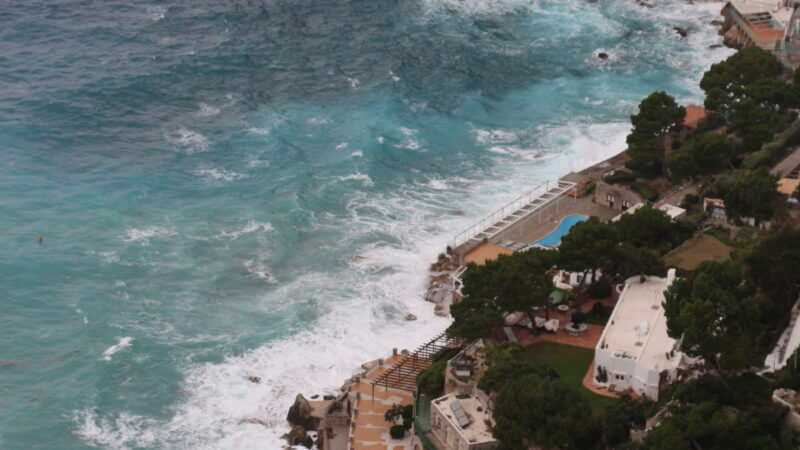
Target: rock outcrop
(300,412)
(733,39)
(681,31)
(299,436)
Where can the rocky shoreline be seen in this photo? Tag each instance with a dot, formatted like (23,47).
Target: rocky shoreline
(444,289)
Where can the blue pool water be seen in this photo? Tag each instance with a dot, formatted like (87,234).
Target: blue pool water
(236,189)
(554,238)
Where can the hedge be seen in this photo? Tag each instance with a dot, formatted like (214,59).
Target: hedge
(771,152)
(647,192)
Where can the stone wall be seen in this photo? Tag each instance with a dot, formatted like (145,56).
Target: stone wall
(615,196)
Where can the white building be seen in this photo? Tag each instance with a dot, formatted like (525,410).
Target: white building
(674,212)
(634,348)
(462,422)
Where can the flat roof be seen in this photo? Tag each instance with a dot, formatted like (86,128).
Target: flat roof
(629,210)
(638,328)
(486,251)
(477,431)
(758,6)
(672,210)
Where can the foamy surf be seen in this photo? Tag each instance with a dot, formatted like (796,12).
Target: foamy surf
(179,144)
(122,344)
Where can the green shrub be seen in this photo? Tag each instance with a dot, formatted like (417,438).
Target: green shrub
(644,170)
(431,380)
(771,152)
(578,318)
(597,309)
(397,432)
(408,411)
(646,191)
(599,289)
(407,424)
(588,189)
(689,201)
(620,176)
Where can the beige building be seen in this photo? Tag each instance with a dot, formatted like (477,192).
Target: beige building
(462,422)
(616,196)
(769,24)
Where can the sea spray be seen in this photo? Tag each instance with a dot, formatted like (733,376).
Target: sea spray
(186,169)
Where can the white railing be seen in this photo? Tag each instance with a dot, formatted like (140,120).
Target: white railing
(504,217)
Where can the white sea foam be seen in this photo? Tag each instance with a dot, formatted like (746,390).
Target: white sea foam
(125,431)
(259,270)
(188,141)
(217,174)
(357,154)
(122,344)
(259,131)
(341,146)
(143,235)
(252,226)
(255,162)
(362,308)
(156,12)
(354,82)
(410,141)
(207,110)
(364,178)
(495,136)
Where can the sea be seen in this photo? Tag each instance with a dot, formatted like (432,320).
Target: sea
(257,188)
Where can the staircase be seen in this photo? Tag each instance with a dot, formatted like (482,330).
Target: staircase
(404,374)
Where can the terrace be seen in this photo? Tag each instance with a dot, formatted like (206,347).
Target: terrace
(462,421)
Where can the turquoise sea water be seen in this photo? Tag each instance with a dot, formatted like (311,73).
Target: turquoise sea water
(554,237)
(257,188)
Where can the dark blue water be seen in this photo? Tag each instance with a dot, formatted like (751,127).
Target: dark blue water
(256,188)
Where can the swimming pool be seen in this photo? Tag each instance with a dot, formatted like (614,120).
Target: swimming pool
(554,238)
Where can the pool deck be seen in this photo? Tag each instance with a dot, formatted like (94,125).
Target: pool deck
(538,225)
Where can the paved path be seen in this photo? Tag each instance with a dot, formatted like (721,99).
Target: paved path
(370,431)
(788,164)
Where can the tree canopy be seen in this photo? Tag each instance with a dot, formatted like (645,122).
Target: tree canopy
(511,283)
(704,155)
(727,82)
(716,314)
(707,414)
(541,410)
(745,88)
(587,246)
(754,194)
(632,245)
(774,265)
(756,124)
(658,114)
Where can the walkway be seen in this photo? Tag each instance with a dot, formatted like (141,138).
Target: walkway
(588,383)
(788,168)
(510,214)
(369,430)
(536,226)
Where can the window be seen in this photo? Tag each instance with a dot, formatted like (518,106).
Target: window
(610,198)
(618,376)
(625,205)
